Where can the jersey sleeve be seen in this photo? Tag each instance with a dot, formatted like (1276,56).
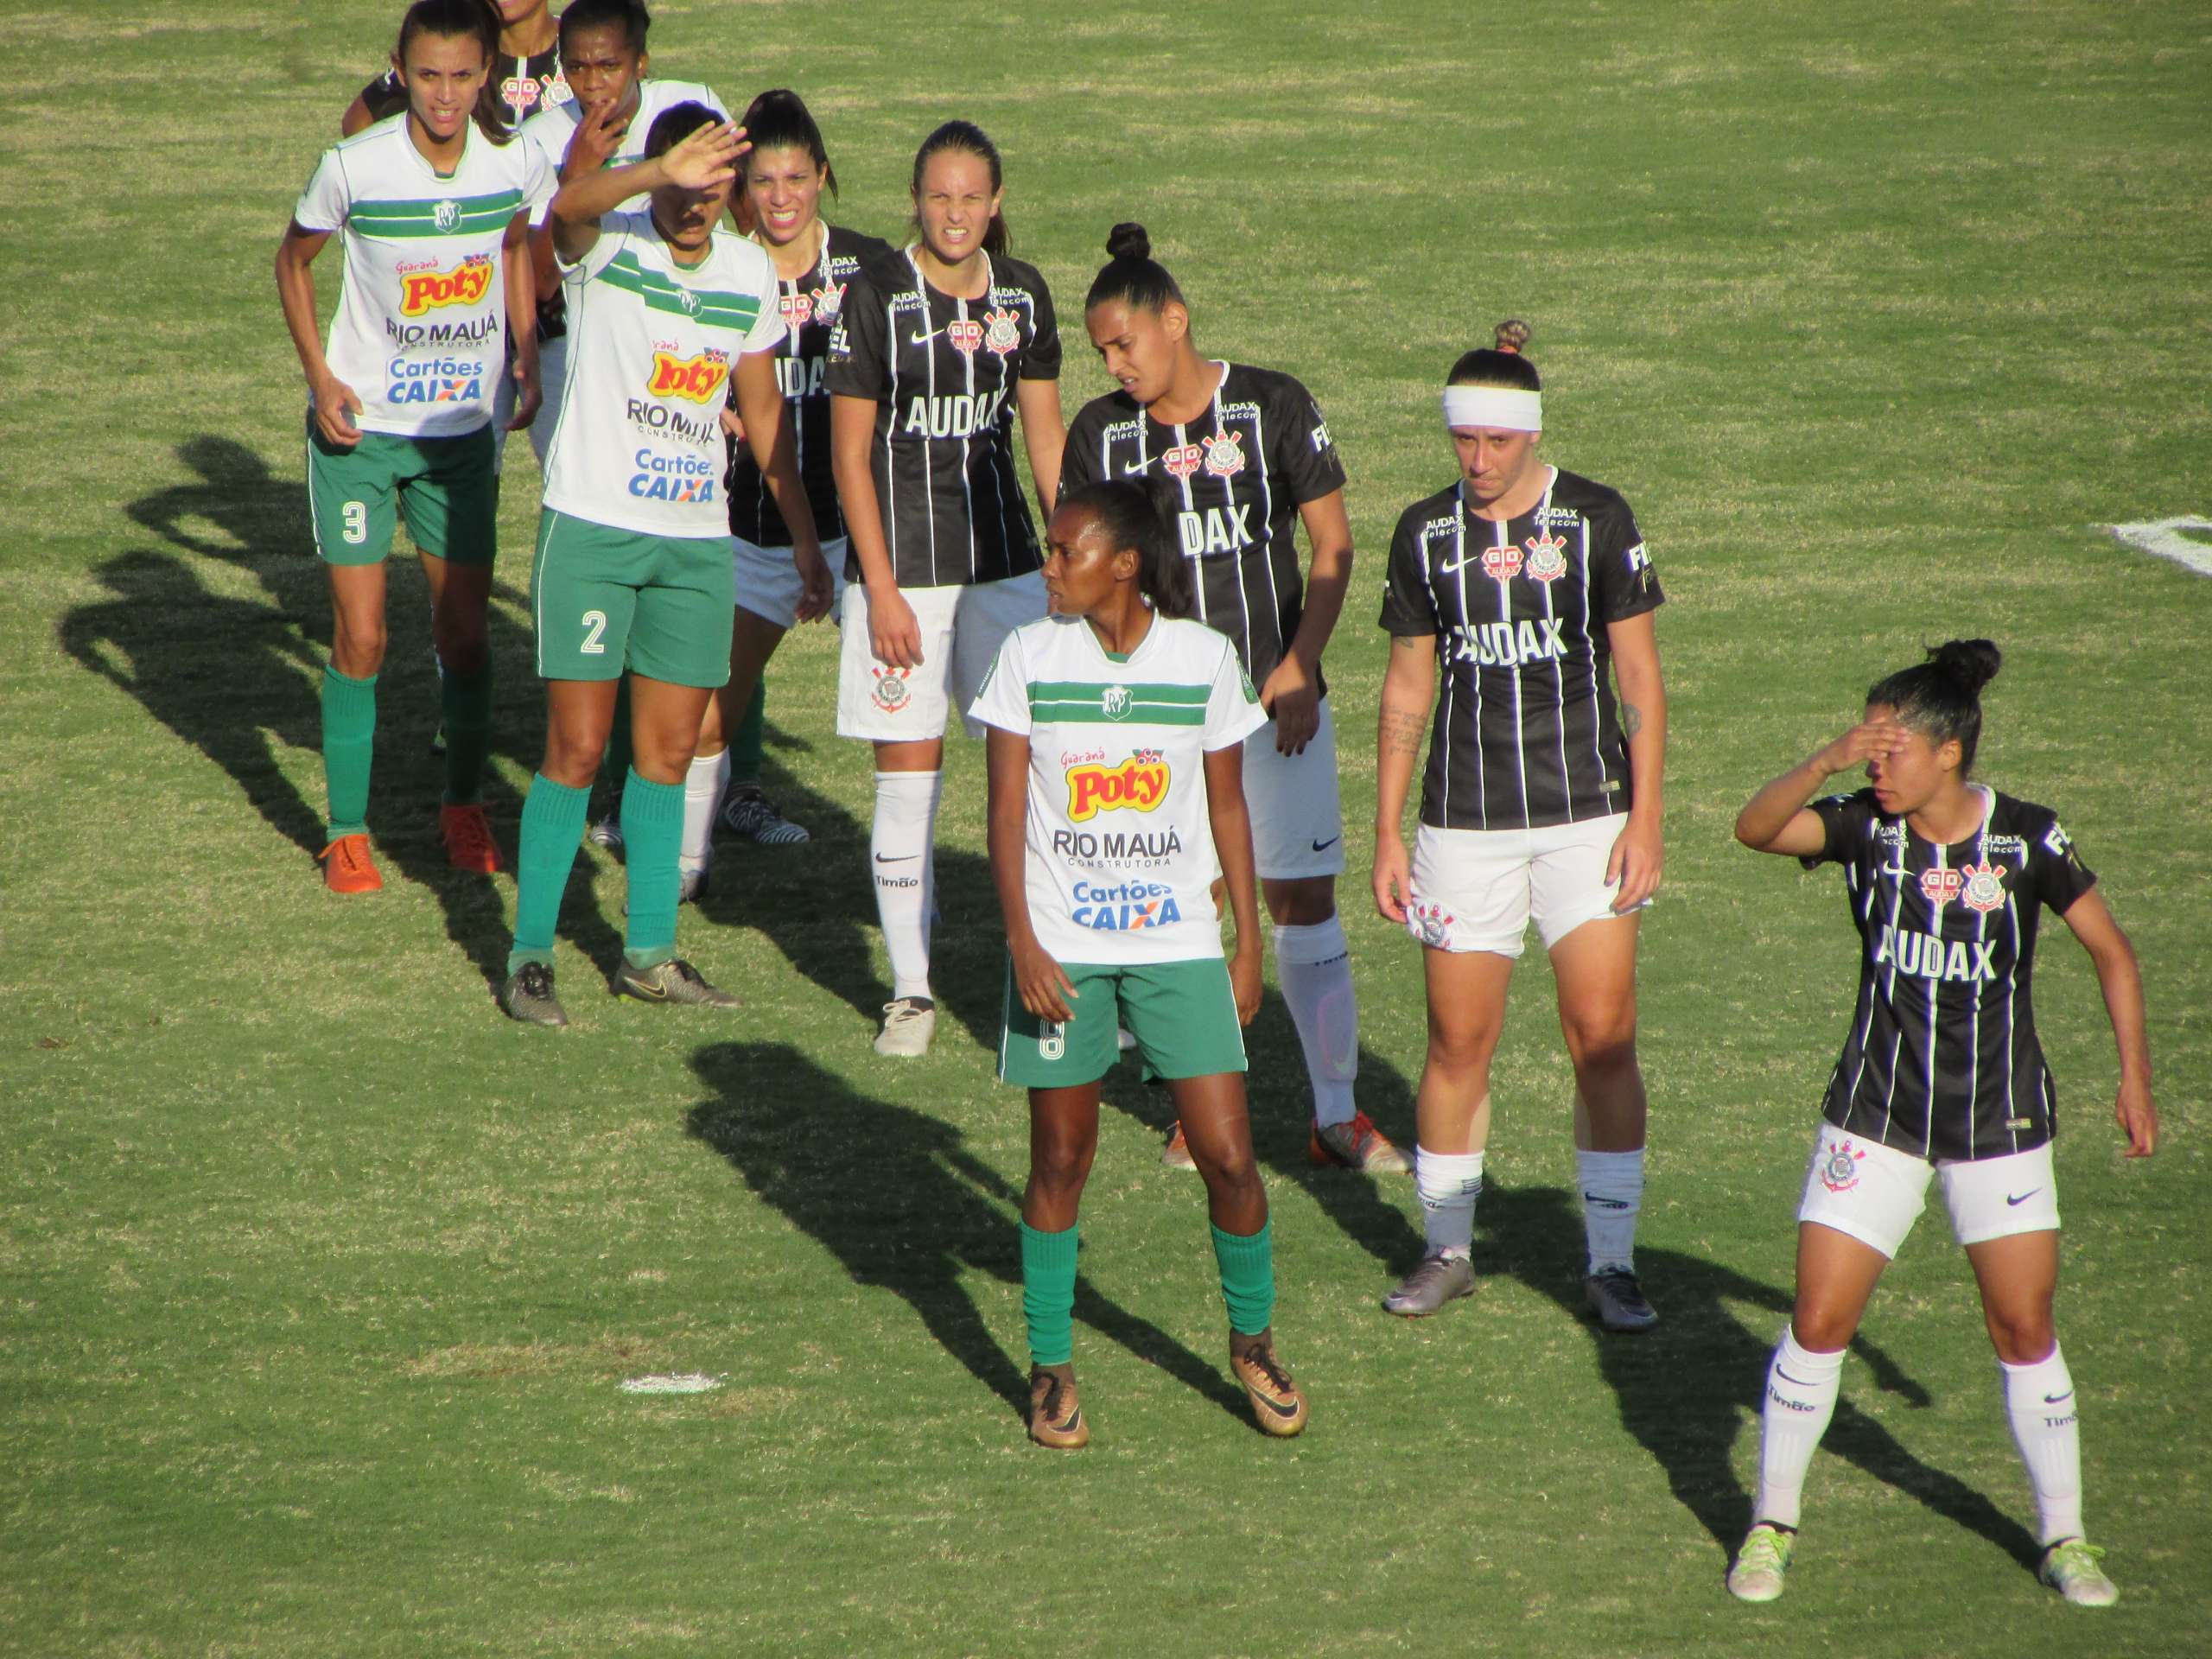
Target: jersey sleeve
(1409,608)
(768,327)
(1307,454)
(322,206)
(860,344)
(614,231)
(1079,462)
(1845,820)
(1042,360)
(1002,700)
(1233,710)
(2055,869)
(1621,576)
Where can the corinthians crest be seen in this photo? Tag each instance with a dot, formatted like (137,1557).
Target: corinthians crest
(1547,558)
(1840,1169)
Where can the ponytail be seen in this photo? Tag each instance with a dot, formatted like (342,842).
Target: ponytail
(1941,697)
(461,20)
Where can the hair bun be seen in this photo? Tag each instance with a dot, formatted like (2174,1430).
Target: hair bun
(1128,241)
(1512,334)
(1973,663)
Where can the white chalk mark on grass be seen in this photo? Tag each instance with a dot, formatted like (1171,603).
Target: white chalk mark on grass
(2171,538)
(671,1383)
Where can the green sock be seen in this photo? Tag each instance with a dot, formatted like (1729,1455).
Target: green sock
(552,825)
(745,741)
(652,836)
(349,736)
(1247,1279)
(466,702)
(617,764)
(1048,1294)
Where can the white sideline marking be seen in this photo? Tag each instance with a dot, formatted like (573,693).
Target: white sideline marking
(671,1383)
(2163,538)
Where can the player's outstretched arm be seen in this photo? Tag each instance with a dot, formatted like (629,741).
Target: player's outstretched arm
(1409,693)
(336,402)
(706,157)
(1044,987)
(2121,980)
(765,421)
(1774,819)
(1231,821)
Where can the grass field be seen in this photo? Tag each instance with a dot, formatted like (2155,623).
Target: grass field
(317,1278)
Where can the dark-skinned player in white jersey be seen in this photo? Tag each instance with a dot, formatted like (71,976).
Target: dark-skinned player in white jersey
(1540,803)
(1247,452)
(1941,1079)
(935,350)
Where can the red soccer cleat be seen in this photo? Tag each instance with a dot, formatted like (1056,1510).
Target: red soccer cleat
(469,845)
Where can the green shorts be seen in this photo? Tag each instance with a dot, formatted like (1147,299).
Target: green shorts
(604,600)
(1182,1014)
(449,487)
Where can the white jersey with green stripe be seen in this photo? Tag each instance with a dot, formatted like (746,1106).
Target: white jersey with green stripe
(651,347)
(1121,855)
(550,130)
(420,330)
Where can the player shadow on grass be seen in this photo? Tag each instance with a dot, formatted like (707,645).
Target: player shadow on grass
(1687,1389)
(897,1197)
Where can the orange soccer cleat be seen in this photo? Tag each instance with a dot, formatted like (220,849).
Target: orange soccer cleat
(347,868)
(469,845)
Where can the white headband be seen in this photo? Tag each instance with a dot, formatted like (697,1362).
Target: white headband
(1494,406)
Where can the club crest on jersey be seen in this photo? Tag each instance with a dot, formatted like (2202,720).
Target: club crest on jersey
(1001,330)
(1502,563)
(891,692)
(1183,460)
(965,332)
(1138,785)
(1430,924)
(689,300)
(1547,558)
(829,300)
(447,215)
(428,291)
(1225,455)
(1984,888)
(1940,887)
(1840,1169)
(1115,702)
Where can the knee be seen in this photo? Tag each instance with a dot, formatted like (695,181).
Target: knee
(1463,1052)
(1821,1326)
(1060,1165)
(1227,1170)
(1601,1043)
(357,646)
(1306,902)
(572,757)
(463,645)
(2021,1336)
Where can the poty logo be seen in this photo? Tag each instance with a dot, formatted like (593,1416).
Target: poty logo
(1502,563)
(464,284)
(1183,461)
(1002,331)
(1136,785)
(1225,455)
(447,214)
(965,334)
(1985,888)
(698,378)
(1547,557)
(1840,1169)
(1940,887)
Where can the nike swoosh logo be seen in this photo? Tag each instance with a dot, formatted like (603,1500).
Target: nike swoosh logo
(924,340)
(1786,1378)
(1459,564)
(2023,1198)
(651,991)
(1324,845)
(1141,466)
(1609,1204)
(2053,1399)
(1277,1407)
(902,858)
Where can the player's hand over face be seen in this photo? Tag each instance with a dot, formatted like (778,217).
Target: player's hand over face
(599,134)
(1044,988)
(1244,979)
(1633,865)
(335,405)
(1293,702)
(529,394)
(2138,1117)
(893,634)
(1394,880)
(1881,736)
(814,584)
(706,157)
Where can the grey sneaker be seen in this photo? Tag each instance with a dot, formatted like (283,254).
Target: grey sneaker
(528,996)
(673,981)
(692,886)
(2070,1567)
(1760,1564)
(908,1025)
(1617,1299)
(749,814)
(1438,1280)
(608,831)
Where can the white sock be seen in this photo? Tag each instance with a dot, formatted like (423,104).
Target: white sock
(1449,1182)
(1801,1390)
(2047,1428)
(702,797)
(1612,1191)
(1313,966)
(899,851)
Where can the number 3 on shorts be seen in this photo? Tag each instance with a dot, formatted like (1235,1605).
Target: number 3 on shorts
(594,625)
(355,519)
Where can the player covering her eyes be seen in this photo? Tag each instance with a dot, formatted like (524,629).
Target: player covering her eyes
(1247,455)
(429,207)
(1942,1080)
(1518,585)
(1117,731)
(934,351)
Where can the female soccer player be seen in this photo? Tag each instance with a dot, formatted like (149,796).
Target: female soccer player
(1247,453)
(525,70)
(633,569)
(786,172)
(1524,581)
(1940,1079)
(1116,749)
(436,268)
(934,350)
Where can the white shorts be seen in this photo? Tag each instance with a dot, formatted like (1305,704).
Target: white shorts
(961,630)
(1298,821)
(1876,1192)
(768,584)
(1478,889)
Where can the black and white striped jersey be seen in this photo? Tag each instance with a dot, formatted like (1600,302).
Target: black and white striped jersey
(811,303)
(942,373)
(1526,733)
(1261,451)
(526,85)
(1942,1060)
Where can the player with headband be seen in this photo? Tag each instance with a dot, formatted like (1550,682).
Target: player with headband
(1523,584)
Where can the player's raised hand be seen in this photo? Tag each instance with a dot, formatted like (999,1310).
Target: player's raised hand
(895,634)
(1394,881)
(335,405)
(599,134)
(2137,1116)
(707,157)
(1881,736)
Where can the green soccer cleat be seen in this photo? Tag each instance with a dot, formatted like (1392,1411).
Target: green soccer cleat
(1761,1562)
(2070,1567)
(673,981)
(528,996)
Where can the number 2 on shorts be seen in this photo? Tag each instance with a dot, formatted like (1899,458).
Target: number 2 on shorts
(594,625)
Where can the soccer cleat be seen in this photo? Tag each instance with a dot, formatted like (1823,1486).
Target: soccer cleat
(752,816)
(1176,1154)
(1356,1144)
(1757,1575)
(1438,1279)
(1055,1415)
(347,868)
(608,831)
(1277,1405)
(528,996)
(692,886)
(1617,1299)
(2070,1567)
(469,845)
(908,1024)
(673,981)
(1124,1039)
